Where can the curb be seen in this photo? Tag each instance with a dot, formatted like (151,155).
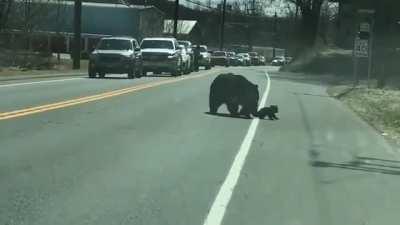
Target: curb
(30,77)
(344,93)
(340,94)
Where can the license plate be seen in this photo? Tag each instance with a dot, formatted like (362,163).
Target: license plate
(154,57)
(109,65)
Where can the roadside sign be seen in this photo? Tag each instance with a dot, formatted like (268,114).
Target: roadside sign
(361,48)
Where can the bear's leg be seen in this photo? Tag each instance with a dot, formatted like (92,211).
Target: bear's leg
(214,105)
(233,108)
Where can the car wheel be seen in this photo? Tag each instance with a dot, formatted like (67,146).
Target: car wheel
(187,69)
(139,72)
(178,69)
(102,74)
(131,73)
(176,72)
(144,73)
(92,73)
(208,67)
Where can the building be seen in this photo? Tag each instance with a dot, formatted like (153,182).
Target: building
(53,18)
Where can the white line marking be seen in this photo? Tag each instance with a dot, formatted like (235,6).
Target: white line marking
(39,82)
(218,208)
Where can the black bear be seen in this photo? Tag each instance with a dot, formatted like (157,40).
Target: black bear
(268,111)
(234,91)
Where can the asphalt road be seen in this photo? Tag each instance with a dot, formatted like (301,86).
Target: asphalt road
(116,151)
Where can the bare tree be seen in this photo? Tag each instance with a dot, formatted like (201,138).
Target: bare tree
(209,3)
(5,9)
(310,17)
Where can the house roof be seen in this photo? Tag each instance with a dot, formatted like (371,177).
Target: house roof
(184,26)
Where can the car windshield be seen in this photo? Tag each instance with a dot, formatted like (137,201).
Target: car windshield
(203,49)
(114,44)
(219,54)
(161,44)
(184,43)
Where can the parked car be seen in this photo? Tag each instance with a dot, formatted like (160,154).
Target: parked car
(220,58)
(189,50)
(186,60)
(116,55)
(233,59)
(278,61)
(240,60)
(205,57)
(262,60)
(254,58)
(246,58)
(161,55)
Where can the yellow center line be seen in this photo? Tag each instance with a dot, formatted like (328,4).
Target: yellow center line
(91,98)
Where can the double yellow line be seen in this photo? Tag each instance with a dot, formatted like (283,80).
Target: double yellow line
(91,98)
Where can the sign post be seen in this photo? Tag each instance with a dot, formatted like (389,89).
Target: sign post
(371,42)
(363,42)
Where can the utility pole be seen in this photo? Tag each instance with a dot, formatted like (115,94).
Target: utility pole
(176,15)
(275,34)
(222,28)
(76,51)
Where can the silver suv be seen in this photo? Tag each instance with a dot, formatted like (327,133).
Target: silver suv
(116,55)
(161,55)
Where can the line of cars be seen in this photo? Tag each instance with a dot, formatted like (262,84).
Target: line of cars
(226,58)
(124,55)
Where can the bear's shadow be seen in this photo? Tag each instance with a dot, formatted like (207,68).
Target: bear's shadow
(227,115)
(231,116)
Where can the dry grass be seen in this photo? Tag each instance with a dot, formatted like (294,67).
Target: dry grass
(380,108)
(65,66)
(322,60)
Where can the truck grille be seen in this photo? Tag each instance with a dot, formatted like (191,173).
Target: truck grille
(154,56)
(110,58)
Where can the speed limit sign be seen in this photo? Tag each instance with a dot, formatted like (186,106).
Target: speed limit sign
(361,48)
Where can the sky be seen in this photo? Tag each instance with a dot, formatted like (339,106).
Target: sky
(278,6)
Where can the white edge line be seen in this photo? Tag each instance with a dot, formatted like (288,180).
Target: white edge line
(220,204)
(39,82)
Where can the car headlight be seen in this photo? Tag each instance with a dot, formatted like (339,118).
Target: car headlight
(173,56)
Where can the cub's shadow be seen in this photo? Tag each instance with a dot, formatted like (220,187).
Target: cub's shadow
(227,115)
